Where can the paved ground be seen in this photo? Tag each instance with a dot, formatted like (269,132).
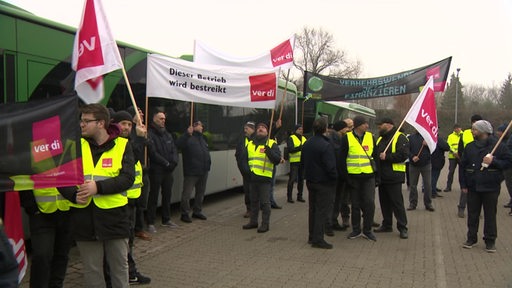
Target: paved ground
(218,253)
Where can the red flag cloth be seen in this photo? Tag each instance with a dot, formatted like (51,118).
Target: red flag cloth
(423,115)
(95,53)
(14,230)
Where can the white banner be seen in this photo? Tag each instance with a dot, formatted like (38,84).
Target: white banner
(211,84)
(280,56)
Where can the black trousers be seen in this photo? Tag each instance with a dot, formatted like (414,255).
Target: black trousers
(296,175)
(160,182)
(452,165)
(51,240)
(392,202)
(489,201)
(362,193)
(320,196)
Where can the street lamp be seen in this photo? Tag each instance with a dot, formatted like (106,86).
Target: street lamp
(457,94)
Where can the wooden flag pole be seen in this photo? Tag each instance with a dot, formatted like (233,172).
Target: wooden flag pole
(395,135)
(499,141)
(284,95)
(132,98)
(191,113)
(268,137)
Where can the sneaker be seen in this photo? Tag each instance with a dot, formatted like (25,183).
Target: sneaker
(369,236)
(151,229)
(139,279)
(490,247)
(170,224)
(354,235)
(468,244)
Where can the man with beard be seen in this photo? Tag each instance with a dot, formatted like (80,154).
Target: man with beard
(392,175)
(480,177)
(262,155)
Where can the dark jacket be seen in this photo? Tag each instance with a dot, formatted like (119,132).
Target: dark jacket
(386,173)
(415,144)
(273,154)
(195,154)
(241,156)
(163,154)
(318,160)
(335,140)
(92,223)
(489,179)
(437,158)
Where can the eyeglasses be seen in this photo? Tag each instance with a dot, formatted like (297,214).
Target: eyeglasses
(87,121)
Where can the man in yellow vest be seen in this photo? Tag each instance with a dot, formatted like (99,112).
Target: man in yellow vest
(294,145)
(262,155)
(100,223)
(125,122)
(359,158)
(50,235)
(465,139)
(392,176)
(453,155)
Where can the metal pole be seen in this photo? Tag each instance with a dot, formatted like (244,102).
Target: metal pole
(457,95)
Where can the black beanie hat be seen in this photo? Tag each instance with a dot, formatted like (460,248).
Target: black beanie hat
(359,120)
(121,116)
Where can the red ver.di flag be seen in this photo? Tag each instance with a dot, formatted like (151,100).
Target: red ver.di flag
(43,144)
(423,115)
(95,53)
(14,231)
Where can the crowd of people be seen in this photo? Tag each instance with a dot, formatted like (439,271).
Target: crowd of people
(341,164)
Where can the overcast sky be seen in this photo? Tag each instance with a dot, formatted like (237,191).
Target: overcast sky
(386,36)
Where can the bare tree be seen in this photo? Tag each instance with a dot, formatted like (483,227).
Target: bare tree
(315,51)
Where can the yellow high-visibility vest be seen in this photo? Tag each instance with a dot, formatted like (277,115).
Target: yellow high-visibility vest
(398,167)
(453,141)
(136,189)
(358,162)
(467,137)
(108,166)
(257,160)
(295,156)
(50,200)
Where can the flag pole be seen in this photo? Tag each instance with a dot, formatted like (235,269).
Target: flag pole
(191,113)
(394,135)
(132,98)
(268,136)
(499,140)
(284,94)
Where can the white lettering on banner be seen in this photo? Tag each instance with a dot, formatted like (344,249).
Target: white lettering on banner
(47,147)
(86,44)
(259,93)
(430,123)
(283,57)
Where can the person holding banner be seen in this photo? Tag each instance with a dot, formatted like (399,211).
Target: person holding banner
(480,177)
(359,167)
(196,165)
(249,128)
(99,219)
(465,139)
(48,214)
(419,164)
(262,154)
(392,175)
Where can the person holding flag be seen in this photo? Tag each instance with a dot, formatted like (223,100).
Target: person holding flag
(480,177)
